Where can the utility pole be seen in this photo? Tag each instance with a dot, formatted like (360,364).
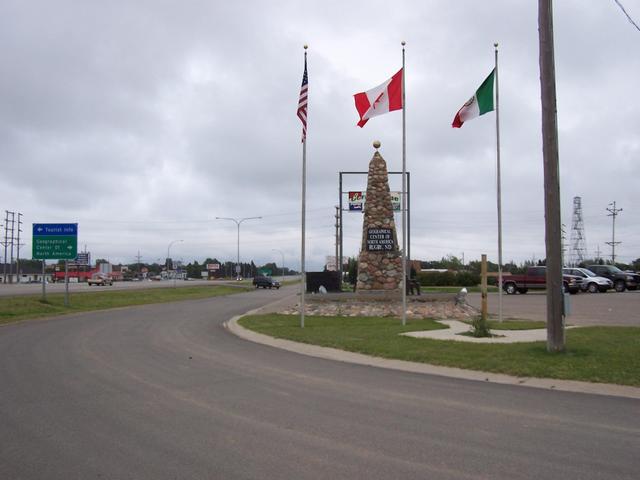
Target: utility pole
(11,239)
(598,254)
(18,247)
(338,266)
(9,242)
(5,244)
(614,212)
(553,241)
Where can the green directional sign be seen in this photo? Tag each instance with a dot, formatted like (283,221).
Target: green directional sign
(55,241)
(58,247)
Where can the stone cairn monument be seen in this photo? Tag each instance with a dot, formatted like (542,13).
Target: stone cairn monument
(380,267)
(380,262)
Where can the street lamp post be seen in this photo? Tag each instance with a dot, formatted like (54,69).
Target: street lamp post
(276,250)
(169,256)
(238,221)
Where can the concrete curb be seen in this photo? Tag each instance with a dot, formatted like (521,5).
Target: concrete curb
(405,366)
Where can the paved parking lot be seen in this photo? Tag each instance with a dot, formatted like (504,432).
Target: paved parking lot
(609,308)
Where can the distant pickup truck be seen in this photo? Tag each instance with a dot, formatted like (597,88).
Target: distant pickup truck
(535,278)
(100,281)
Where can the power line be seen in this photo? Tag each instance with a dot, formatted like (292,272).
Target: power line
(182,220)
(627,15)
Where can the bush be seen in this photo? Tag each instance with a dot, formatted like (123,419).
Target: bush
(467,279)
(480,328)
(448,279)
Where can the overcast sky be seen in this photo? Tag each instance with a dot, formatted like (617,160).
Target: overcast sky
(144,120)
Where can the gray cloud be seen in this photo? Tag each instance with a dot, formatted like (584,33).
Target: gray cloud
(143,121)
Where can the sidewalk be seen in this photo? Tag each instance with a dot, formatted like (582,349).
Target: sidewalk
(456,329)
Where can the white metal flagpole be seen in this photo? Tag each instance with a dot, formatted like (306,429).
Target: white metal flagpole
(404,194)
(303,283)
(302,114)
(498,182)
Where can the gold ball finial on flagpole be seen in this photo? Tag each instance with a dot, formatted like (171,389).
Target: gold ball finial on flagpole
(305,46)
(403,43)
(495,45)
(376,144)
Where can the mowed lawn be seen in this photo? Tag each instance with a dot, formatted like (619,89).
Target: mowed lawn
(24,307)
(593,354)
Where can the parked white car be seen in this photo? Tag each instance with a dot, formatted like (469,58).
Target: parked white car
(591,282)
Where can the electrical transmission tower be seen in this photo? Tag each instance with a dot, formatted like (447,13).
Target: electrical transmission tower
(614,212)
(11,244)
(578,251)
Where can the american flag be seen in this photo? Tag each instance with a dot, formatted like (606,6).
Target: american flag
(302,102)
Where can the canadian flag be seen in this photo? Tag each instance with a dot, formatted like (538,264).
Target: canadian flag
(381,99)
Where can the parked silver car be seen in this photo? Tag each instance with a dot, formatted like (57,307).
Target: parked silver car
(591,282)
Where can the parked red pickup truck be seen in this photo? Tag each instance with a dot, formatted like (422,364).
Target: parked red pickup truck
(536,279)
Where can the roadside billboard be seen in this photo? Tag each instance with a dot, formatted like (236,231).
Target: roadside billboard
(357,199)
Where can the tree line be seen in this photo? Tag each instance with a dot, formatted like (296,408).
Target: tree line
(454,272)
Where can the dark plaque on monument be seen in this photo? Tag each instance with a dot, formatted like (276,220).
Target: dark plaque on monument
(380,240)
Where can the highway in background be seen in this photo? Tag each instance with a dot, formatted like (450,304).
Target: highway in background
(58,287)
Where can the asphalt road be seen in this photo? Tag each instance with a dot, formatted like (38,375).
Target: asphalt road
(165,392)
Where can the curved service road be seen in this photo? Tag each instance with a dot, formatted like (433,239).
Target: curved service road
(165,392)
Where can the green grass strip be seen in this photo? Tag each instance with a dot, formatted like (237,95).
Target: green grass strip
(593,354)
(512,324)
(21,307)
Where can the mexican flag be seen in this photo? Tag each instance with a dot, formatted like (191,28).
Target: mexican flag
(479,104)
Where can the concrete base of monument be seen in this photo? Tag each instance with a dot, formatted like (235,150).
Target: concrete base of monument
(383,303)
